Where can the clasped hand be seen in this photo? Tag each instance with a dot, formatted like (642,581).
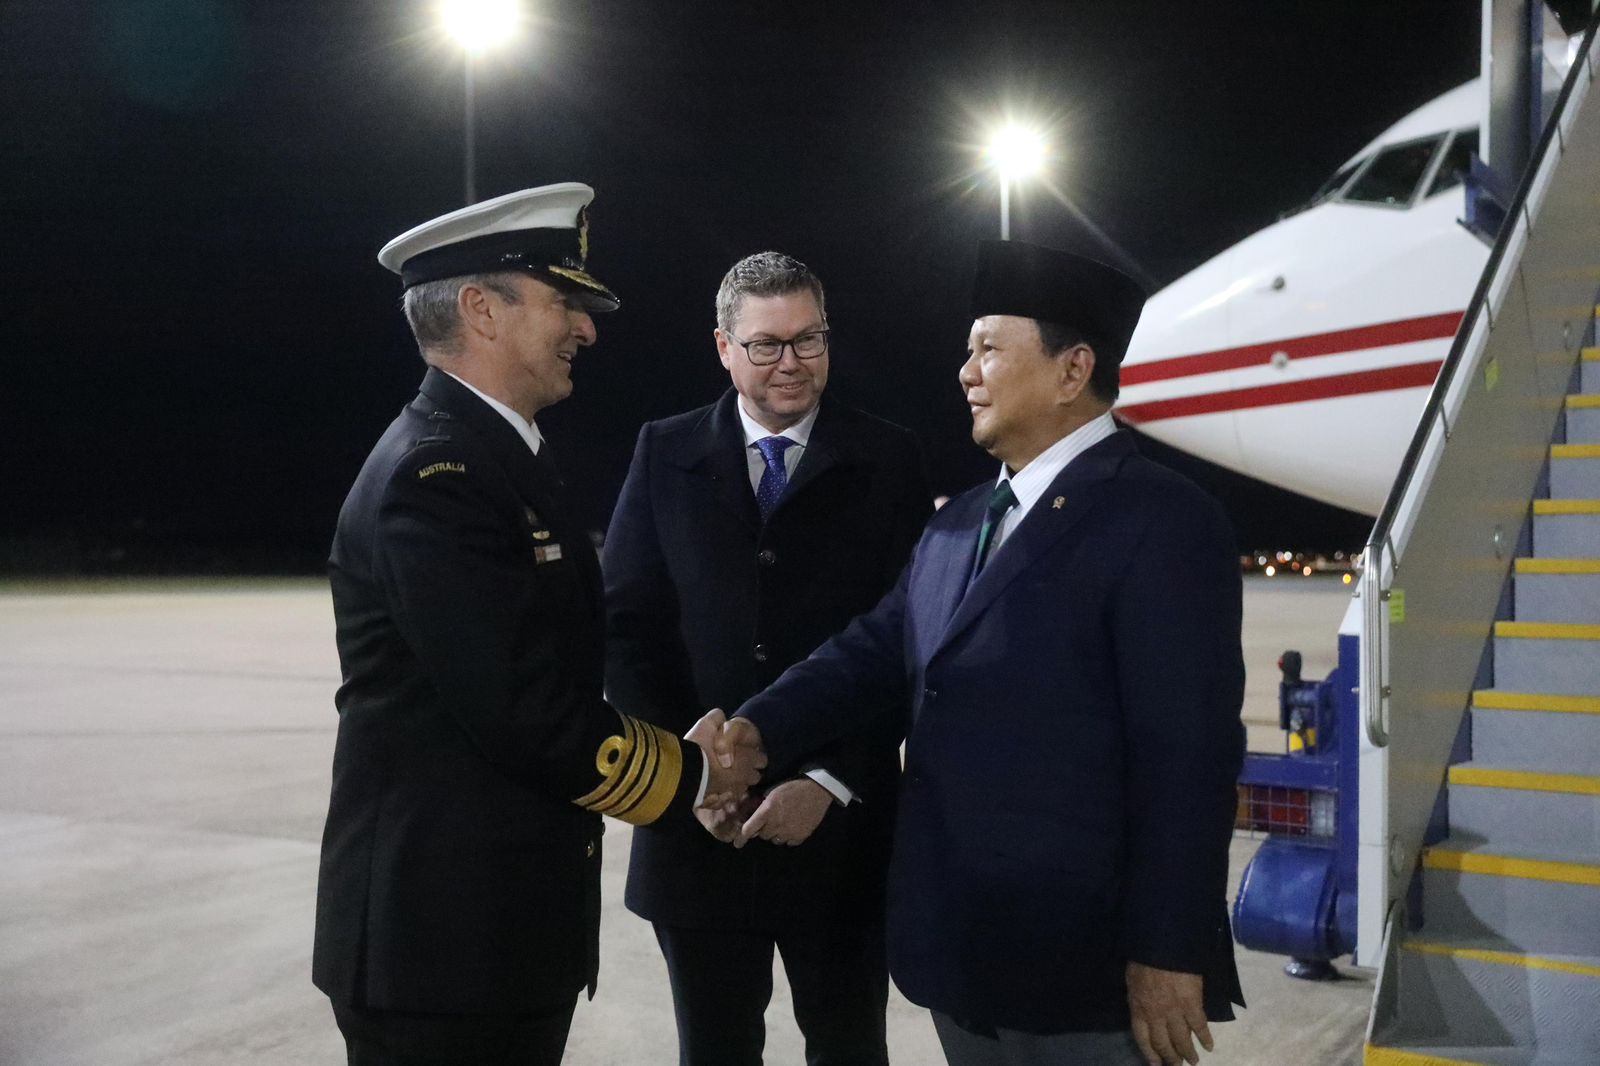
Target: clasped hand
(735,764)
(787,814)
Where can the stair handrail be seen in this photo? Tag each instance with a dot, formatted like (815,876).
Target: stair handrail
(1380,560)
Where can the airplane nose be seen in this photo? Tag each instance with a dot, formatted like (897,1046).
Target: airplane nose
(1160,381)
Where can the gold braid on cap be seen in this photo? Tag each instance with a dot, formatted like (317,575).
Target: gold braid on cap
(639,772)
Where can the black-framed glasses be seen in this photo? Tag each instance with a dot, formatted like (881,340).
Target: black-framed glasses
(765,352)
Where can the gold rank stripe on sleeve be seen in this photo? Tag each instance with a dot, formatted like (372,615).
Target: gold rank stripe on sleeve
(639,771)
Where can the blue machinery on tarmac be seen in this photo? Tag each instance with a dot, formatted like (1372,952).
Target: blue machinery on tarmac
(1298,895)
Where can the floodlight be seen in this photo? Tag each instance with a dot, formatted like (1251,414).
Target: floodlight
(478,25)
(1016,152)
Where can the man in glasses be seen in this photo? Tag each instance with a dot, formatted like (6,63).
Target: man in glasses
(748,532)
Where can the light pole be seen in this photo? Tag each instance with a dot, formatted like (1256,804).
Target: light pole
(477,25)
(1015,152)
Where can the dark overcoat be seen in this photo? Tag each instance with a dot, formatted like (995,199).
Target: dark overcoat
(1074,745)
(458,874)
(707,605)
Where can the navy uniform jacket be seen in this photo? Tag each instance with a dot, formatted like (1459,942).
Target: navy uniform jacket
(707,605)
(1069,790)
(459,874)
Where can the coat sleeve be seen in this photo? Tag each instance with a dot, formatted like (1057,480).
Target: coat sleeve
(853,683)
(1180,678)
(851,759)
(446,556)
(647,664)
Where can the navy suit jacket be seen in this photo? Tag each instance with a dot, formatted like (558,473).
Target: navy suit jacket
(1071,761)
(706,604)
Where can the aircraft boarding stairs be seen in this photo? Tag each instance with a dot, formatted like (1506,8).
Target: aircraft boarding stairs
(1478,748)
(1503,965)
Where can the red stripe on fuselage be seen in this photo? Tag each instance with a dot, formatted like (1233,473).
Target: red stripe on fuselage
(1409,376)
(1405,331)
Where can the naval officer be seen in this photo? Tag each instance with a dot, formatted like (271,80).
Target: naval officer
(458,902)
(1068,636)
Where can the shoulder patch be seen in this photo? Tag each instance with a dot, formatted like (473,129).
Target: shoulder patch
(442,468)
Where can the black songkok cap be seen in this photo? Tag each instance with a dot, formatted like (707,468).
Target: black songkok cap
(1031,281)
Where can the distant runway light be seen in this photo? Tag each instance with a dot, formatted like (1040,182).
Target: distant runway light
(1347,579)
(1016,152)
(481,24)
(1272,571)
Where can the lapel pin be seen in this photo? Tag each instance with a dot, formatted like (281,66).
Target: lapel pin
(1057,502)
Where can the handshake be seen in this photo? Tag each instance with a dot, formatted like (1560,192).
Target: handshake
(786,814)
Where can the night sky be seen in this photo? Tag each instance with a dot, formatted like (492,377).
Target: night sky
(200,346)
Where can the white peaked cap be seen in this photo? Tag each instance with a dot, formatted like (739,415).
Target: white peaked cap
(544,231)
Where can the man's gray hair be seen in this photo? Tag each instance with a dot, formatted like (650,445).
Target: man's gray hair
(432,312)
(764,274)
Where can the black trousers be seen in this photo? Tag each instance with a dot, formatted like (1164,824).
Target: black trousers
(722,982)
(401,1038)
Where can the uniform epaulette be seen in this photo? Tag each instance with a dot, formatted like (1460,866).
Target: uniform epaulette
(639,771)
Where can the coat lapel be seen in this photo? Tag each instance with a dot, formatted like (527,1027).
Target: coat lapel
(944,559)
(716,455)
(1045,524)
(825,449)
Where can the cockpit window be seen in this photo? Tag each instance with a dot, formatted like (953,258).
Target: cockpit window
(1457,159)
(1393,176)
(1335,183)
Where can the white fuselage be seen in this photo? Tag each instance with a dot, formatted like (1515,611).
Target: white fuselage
(1303,354)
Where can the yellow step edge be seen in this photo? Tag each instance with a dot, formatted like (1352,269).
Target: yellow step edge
(1558,566)
(1566,506)
(1591,355)
(1393,1056)
(1503,958)
(1585,400)
(1490,700)
(1575,451)
(1548,630)
(1528,780)
(1477,862)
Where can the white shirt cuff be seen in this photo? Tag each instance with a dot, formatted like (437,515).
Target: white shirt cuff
(705,779)
(835,787)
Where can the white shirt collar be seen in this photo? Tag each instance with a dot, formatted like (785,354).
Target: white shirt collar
(800,432)
(525,429)
(1030,482)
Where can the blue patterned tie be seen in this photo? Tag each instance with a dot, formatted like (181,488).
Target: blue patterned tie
(775,478)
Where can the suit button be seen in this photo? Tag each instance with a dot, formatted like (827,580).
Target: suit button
(761,653)
(588,851)
(928,695)
(766,557)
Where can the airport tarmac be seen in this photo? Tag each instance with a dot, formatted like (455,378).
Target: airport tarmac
(164,758)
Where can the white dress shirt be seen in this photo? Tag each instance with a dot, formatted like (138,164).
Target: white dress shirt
(529,432)
(800,433)
(1030,482)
